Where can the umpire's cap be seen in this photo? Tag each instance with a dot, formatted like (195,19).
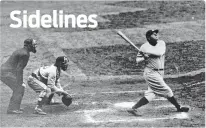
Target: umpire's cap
(28,41)
(150,32)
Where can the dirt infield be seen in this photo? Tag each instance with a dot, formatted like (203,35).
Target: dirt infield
(104,104)
(120,59)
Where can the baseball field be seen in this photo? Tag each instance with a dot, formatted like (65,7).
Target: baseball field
(103,77)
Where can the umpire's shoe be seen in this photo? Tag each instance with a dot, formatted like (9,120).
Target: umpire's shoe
(183,109)
(39,111)
(134,112)
(14,112)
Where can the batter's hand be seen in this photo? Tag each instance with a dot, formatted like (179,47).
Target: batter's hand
(146,56)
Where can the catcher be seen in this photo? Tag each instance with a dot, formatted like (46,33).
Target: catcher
(46,82)
(153,53)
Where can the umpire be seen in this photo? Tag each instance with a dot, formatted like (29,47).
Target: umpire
(12,74)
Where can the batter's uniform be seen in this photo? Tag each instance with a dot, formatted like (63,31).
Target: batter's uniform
(154,70)
(12,76)
(44,80)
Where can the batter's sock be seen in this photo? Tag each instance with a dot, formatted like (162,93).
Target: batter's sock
(40,102)
(140,103)
(38,106)
(174,102)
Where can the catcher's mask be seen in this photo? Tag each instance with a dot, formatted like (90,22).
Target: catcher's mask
(30,44)
(66,100)
(62,62)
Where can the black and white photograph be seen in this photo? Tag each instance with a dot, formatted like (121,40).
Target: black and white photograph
(102,63)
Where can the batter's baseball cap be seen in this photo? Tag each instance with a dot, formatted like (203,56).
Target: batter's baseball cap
(150,32)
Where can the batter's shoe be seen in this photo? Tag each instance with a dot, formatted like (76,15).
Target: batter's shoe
(21,109)
(134,112)
(183,109)
(14,112)
(39,111)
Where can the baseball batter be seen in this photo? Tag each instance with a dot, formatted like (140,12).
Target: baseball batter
(46,82)
(153,53)
(12,74)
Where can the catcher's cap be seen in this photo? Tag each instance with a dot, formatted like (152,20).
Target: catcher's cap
(28,41)
(150,32)
(62,59)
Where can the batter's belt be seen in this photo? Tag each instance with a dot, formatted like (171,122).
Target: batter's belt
(161,69)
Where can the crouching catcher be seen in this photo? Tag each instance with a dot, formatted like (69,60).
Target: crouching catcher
(46,82)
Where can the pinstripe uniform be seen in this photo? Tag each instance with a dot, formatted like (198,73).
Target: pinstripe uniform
(153,53)
(154,70)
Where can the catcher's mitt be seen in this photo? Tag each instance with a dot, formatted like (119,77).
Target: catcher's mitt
(66,100)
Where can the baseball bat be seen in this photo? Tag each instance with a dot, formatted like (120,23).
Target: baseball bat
(127,39)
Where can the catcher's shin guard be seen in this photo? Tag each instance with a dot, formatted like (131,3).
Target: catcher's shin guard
(49,99)
(42,98)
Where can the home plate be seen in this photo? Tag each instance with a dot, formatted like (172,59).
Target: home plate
(123,105)
(182,115)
